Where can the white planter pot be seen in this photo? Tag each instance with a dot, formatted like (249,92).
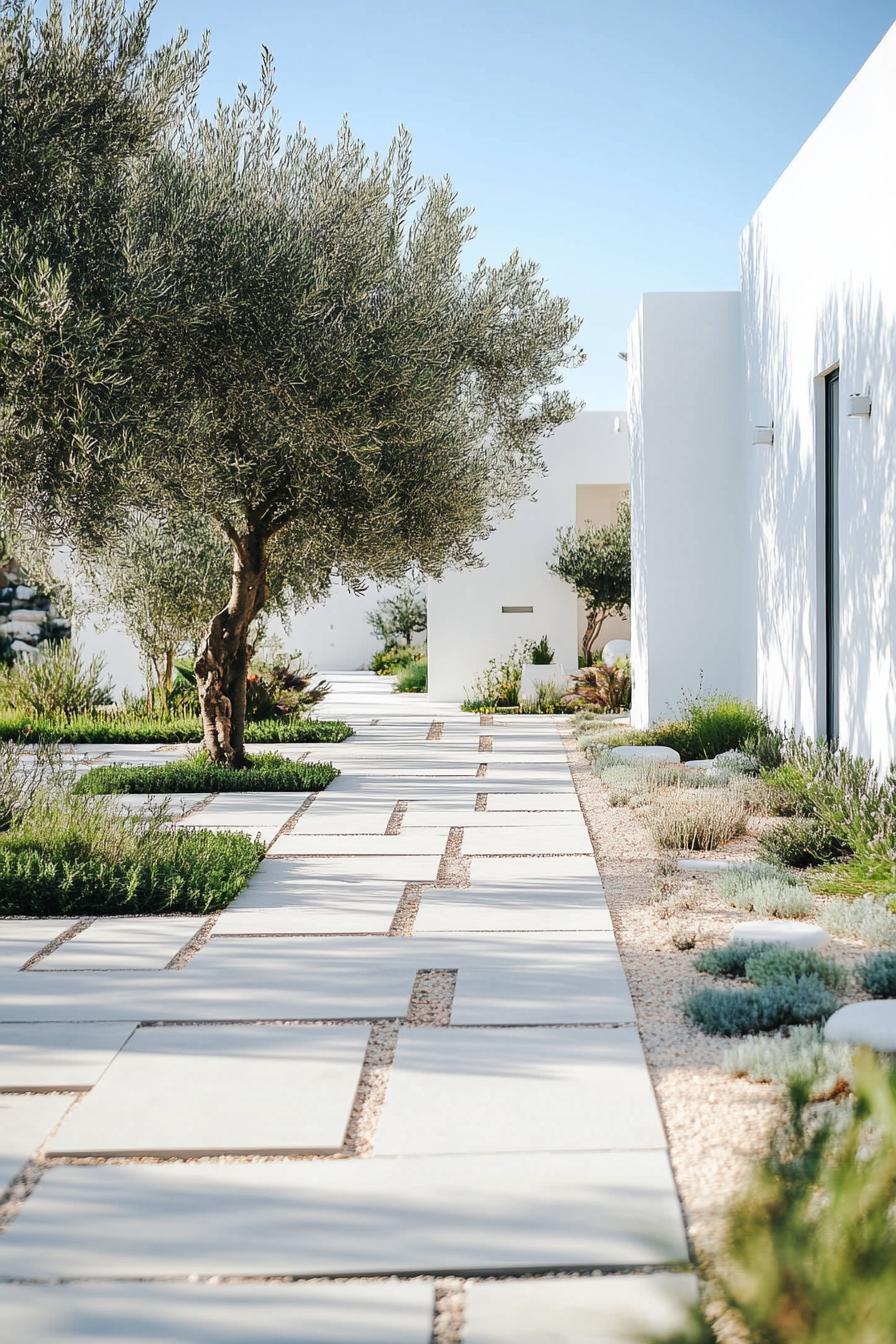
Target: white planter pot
(541,674)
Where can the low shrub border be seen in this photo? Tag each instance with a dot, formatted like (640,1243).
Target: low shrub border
(193,872)
(781,1003)
(134,729)
(266,773)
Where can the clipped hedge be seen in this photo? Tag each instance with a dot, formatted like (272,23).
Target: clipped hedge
(135,729)
(266,773)
(194,873)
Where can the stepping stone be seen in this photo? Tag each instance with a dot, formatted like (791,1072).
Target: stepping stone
(59,1056)
(563,800)
(175,803)
(25,1122)
(20,939)
(612,1309)
(647,754)
(872,1023)
(212,1313)
(343,819)
(420,841)
(248,811)
(548,904)
(281,897)
(534,839)
(412,1215)
(528,1089)
(788,932)
(123,944)
(424,814)
(194,1091)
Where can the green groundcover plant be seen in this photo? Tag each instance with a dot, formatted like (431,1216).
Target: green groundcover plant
(265,773)
(62,853)
(810,1249)
(119,726)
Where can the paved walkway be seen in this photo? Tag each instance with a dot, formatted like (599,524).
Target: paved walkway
(406,1050)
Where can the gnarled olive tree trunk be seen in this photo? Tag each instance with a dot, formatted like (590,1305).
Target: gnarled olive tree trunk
(593,626)
(223,661)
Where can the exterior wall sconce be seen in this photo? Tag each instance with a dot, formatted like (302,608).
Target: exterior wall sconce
(859,404)
(763,436)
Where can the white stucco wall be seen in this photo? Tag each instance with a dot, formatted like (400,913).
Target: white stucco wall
(466,624)
(692,619)
(819,278)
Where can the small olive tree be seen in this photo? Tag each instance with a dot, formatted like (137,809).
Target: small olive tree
(597,562)
(309,368)
(399,617)
(164,579)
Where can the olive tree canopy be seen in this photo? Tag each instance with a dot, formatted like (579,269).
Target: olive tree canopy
(311,369)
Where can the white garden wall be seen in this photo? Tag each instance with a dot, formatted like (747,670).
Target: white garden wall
(692,623)
(819,278)
(467,625)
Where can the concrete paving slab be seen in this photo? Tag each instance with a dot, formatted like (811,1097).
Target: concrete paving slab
(123,944)
(533,839)
(20,939)
(194,1091)
(529,1089)
(359,870)
(281,897)
(25,1122)
(566,903)
(559,800)
(429,840)
(380,1215)
(341,1312)
(531,870)
(250,810)
(58,1055)
(342,819)
(434,814)
(612,1309)
(176,804)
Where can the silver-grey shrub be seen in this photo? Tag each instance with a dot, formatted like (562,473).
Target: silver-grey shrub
(803,1055)
(869,919)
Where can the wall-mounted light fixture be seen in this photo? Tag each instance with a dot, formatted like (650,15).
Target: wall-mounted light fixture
(859,404)
(763,436)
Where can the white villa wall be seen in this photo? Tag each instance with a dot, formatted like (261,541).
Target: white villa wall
(466,624)
(819,278)
(691,613)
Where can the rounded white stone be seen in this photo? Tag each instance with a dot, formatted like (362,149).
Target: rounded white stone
(788,932)
(614,649)
(647,754)
(871,1024)
(699,765)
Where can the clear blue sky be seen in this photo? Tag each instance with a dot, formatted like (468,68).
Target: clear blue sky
(622,145)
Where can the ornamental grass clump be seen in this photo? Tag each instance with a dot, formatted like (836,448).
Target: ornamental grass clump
(737,1012)
(264,773)
(692,819)
(809,1255)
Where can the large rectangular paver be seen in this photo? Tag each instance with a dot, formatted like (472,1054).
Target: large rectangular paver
(58,1055)
(419,841)
(533,839)
(611,1309)
(218,1313)
(123,944)
(188,1091)
(501,1090)
(375,1216)
(20,939)
(281,897)
(25,1122)
(490,903)
(559,800)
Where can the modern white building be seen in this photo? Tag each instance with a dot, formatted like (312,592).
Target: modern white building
(478,614)
(763,429)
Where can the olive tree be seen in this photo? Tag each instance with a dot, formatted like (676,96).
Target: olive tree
(313,371)
(597,562)
(163,579)
(399,617)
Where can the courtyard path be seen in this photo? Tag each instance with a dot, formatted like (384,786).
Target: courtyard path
(394,1094)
